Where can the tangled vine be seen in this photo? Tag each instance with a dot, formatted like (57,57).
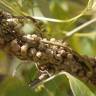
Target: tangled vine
(51,55)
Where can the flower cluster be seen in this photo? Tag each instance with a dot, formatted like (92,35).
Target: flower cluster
(50,54)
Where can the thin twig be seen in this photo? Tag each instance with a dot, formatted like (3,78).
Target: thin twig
(70,33)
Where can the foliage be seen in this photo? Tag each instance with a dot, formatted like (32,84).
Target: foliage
(67,14)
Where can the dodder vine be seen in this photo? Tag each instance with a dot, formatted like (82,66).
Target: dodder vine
(51,55)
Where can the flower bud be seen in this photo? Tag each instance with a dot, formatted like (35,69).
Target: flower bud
(24,49)
(44,39)
(34,36)
(61,52)
(38,54)
(15,46)
(52,39)
(69,56)
(32,52)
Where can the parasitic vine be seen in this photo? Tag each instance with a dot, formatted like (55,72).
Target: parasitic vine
(52,56)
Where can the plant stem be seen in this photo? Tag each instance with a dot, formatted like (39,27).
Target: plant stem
(70,33)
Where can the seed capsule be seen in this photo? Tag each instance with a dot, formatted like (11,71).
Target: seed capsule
(69,56)
(44,39)
(54,47)
(32,52)
(61,52)
(34,36)
(28,36)
(38,54)
(52,39)
(61,48)
(65,44)
(24,49)
(52,52)
(59,55)
(14,46)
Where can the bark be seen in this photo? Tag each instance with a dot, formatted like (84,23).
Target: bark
(50,55)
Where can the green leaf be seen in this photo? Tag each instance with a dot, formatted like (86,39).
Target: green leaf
(58,86)
(18,10)
(15,87)
(78,88)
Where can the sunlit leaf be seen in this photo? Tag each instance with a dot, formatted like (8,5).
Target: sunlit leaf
(78,88)
(15,87)
(11,7)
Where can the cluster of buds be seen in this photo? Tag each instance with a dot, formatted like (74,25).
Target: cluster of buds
(53,56)
(50,54)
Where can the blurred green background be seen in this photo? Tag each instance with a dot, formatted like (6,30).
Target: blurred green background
(14,79)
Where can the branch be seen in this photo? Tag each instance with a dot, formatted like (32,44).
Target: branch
(52,55)
(70,33)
